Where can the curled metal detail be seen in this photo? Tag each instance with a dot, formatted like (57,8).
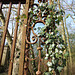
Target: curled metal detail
(35,5)
(35,35)
(32,58)
(31,42)
(39,21)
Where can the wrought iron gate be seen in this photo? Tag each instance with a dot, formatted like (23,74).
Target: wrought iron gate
(25,42)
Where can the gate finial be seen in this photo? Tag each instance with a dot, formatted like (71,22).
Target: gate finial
(38,73)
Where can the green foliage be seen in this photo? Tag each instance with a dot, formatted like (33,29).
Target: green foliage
(66,54)
(47,73)
(58,55)
(17,49)
(59,68)
(17,18)
(21,17)
(67,16)
(48,41)
(53,42)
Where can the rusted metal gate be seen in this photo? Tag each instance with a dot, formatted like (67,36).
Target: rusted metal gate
(25,43)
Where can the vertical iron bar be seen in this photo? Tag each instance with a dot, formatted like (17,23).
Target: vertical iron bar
(0,5)
(14,43)
(39,64)
(4,33)
(0,12)
(23,42)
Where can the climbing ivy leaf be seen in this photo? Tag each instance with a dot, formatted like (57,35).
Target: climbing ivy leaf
(48,41)
(46,73)
(23,16)
(59,68)
(67,16)
(66,54)
(17,18)
(31,15)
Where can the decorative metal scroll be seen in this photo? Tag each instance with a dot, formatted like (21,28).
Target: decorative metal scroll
(35,38)
(25,39)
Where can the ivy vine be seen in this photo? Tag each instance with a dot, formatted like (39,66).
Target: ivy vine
(57,53)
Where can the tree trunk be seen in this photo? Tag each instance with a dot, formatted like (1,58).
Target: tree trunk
(64,71)
(69,49)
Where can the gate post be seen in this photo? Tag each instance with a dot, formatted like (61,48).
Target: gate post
(23,71)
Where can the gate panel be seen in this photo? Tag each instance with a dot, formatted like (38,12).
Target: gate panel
(4,33)
(26,44)
(14,43)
